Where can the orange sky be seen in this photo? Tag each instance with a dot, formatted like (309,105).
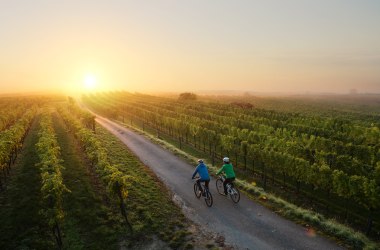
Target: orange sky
(264,46)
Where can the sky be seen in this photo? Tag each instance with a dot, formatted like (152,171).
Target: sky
(173,46)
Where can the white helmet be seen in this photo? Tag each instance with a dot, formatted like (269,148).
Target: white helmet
(200,161)
(226,160)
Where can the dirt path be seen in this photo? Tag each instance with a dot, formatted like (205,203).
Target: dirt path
(246,225)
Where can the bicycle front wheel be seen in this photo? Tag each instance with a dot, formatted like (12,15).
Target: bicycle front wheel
(219,186)
(208,199)
(235,195)
(196,191)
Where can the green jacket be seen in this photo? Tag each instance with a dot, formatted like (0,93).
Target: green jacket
(228,169)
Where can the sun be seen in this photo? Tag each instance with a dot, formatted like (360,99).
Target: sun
(89,82)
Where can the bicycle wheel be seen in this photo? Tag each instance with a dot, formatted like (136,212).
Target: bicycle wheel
(208,198)
(196,191)
(219,186)
(235,194)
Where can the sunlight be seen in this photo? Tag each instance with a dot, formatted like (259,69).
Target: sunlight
(90,82)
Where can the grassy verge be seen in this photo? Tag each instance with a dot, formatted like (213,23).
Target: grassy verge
(151,211)
(89,222)
(21,225)
(342,233)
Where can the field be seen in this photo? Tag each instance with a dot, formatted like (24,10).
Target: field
(321,153)
(61,189)
(68,183)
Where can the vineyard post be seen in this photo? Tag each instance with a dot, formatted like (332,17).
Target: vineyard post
(15,154)
(1,182)
(253,166)
(124,108)
(57,235)
(204,139)
(123,208)
(213,158)
(264,175)
(93,125)
(298,184)
(244,149)
(369,221)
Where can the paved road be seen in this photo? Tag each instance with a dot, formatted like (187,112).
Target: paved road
(246,225)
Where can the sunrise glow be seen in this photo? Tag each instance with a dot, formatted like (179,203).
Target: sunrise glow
(89,82)
(172,46)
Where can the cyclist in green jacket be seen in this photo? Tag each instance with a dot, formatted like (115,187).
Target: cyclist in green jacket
(228,169)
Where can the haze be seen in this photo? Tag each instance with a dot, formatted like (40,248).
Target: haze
(262,46)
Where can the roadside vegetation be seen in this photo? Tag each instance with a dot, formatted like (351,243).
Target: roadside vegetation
(145,205)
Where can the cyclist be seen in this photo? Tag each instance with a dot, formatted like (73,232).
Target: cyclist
(201,169)
(228,169)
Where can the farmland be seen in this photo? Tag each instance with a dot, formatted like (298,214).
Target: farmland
(68,183)
(61,189)
(320,153)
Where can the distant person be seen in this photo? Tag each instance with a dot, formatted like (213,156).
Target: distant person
(228,170)
(202,171)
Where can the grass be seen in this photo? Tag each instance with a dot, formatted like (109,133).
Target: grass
(151,209)
(22,227)
(342,233)
(89,222)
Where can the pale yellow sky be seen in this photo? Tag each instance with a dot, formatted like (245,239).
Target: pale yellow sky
(264,46)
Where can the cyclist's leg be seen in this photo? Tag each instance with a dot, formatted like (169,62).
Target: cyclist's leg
(206,183)
(228,180)
(206,187)
(225,185)
(232,181)
(199,185)
(203,191)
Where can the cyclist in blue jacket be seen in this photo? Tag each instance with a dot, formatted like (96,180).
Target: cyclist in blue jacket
(202,171)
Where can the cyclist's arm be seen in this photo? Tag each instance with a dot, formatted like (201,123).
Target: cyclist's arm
(195,173)
(220,170)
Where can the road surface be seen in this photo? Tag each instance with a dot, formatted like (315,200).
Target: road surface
(246,225)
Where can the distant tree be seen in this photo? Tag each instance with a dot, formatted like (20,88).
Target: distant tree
(71,100)
(187,96)
(353,91)
(243,105)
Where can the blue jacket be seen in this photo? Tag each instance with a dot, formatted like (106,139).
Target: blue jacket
(202,171)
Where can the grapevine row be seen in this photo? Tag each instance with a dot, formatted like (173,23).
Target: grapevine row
(52,183)
(353,159)
(116,182)
(11,141)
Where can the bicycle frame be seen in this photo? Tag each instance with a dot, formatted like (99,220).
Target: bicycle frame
(205,191)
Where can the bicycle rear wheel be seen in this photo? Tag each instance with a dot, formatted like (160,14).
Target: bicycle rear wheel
(208,199)
(235,194)
(219,186)
(196,191)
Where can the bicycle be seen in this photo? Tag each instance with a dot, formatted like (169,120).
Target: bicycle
(233,192)
(206,193)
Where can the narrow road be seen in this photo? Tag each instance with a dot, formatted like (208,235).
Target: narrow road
(246,225)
